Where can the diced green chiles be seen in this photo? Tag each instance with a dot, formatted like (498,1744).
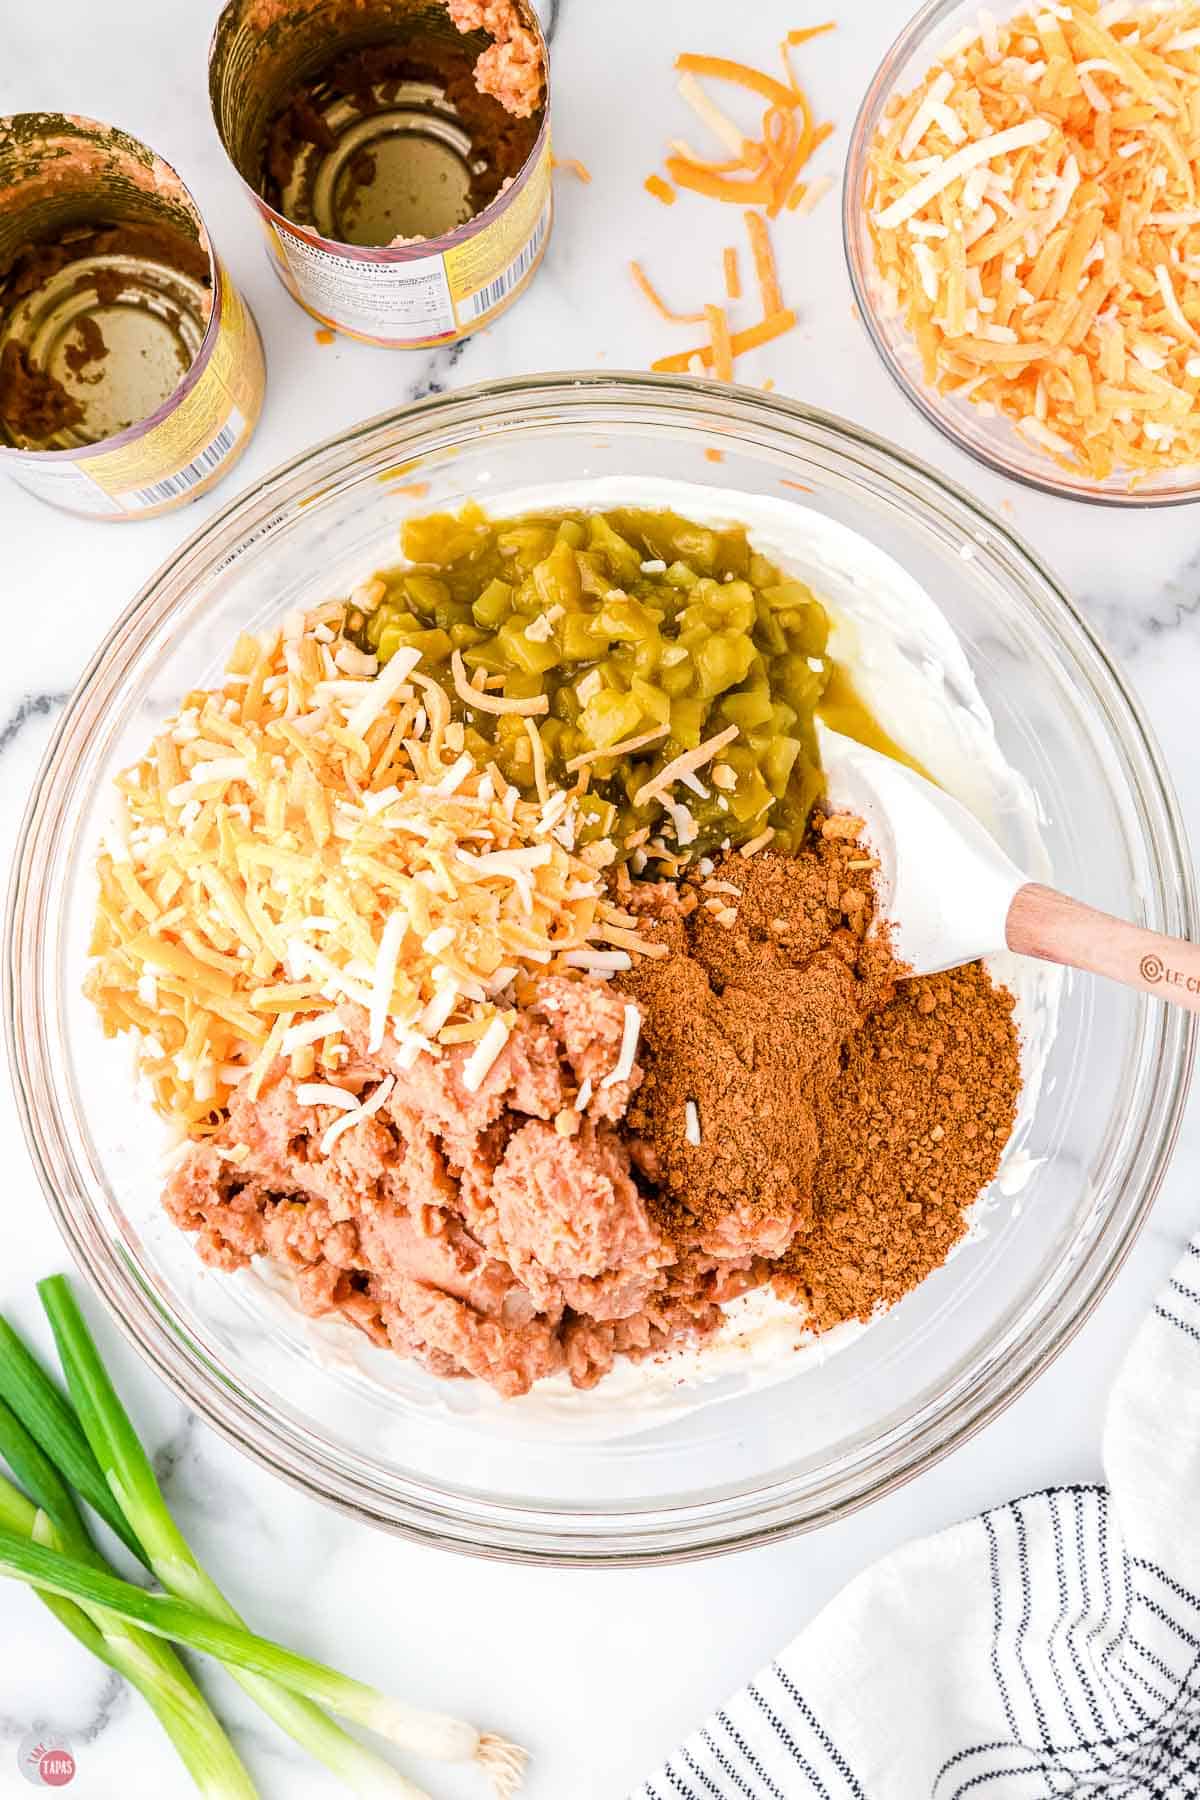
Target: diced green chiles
(636,625)
(493,604)
(520,651)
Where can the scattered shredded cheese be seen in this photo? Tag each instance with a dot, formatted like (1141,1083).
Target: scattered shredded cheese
(384,977)
(763,171)
(740,342)
(656,300)
(691,1123)
(599,962)
(623,746)
(764,264)
(571,165)
(480,1061)
(310,1032)
(349,1120)
(383,688)
(492,703)
(323,1093)
(630,1031)
(719,342)
(686,764)
(718,122)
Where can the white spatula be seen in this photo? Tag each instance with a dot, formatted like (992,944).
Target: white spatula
(950,893)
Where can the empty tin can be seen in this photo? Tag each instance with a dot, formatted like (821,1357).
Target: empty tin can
(131,371)
(397,151)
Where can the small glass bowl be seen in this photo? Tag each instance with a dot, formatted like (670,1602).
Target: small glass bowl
(446,1462)
(993,441)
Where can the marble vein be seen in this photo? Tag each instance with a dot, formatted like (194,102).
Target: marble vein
(33,706)
(441,366)
(173,1450)
(1131,630)
(110,1704)
(114,1698)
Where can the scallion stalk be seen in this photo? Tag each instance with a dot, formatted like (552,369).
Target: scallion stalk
(19,1516)
(147,1663)
(51,1572)
(44,1485)
(131,1479)
(47,1416)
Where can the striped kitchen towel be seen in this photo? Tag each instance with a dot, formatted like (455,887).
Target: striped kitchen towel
(1049,1647)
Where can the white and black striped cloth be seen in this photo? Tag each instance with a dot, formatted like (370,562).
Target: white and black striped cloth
(1049,1647)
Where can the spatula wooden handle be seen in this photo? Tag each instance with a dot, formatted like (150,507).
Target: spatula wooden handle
(1051,926)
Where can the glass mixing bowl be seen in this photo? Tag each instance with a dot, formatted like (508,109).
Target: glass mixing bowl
(375,1435)
(991,440)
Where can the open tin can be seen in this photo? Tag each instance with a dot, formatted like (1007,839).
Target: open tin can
(400,164)
(131,371)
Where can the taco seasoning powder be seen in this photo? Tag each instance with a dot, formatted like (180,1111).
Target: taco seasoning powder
(397,151)
(131,372)
(844,1118)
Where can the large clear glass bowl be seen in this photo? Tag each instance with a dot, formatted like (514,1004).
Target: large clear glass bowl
(378,1437)
(994,441)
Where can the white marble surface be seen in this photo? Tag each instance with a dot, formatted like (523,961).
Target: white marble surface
(598,1672)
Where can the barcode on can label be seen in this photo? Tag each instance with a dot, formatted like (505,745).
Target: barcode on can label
(475,305)
(198,470)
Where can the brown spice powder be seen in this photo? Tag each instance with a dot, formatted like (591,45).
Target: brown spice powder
(847,1117)
(748,1023)
(910,1136)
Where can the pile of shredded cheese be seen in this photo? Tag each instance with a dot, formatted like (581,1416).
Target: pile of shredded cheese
(1035,209)
(313,836)
(751,172)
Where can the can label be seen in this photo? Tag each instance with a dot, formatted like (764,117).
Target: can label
(420,299)
(178,454)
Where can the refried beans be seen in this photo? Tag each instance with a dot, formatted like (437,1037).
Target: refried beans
(554,1219)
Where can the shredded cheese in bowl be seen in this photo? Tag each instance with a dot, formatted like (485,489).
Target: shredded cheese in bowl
(1034,213)
(309,837)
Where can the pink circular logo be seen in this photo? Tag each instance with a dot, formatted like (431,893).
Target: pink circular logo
(46,1760)
(56,1768)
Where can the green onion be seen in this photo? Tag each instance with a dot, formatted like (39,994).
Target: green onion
(43,1483)
(148,1664)
(36,1401)
(237,1648)
(284,1685)
(20,1517)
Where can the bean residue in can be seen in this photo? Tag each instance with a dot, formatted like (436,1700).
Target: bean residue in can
(398,152)
(131,372)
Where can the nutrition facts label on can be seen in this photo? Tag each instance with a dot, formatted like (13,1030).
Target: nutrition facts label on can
(376,298)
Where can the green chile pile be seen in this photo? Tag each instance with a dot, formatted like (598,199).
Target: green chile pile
(630,622)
